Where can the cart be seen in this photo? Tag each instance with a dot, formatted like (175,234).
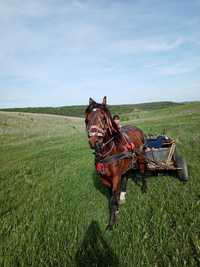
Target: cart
(161,155)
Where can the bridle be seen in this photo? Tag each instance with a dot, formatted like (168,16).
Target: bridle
(103,151)
(94,130)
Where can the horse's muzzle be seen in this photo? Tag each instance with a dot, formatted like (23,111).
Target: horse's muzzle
(97,147)
(94,142)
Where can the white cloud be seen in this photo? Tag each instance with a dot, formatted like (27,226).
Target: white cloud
(81,45)
(146,45)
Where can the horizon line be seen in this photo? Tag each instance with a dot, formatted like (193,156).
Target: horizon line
(124,104)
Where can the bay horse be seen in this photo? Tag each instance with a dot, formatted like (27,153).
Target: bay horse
(116,151)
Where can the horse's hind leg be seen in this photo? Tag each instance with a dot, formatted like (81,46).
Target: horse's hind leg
(144,184)
(142,171)
(113,210)
(123,190)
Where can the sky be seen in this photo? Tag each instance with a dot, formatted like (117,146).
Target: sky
(61,52)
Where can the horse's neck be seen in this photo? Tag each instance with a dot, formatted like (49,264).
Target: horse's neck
(110,144)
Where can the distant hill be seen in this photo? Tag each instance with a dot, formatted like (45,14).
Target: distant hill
(78,111)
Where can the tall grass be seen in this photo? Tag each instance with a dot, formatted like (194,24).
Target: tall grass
(54,211)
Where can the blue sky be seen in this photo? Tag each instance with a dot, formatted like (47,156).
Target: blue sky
(61,52)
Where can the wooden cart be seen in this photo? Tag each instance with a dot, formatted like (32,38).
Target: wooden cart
(163,156)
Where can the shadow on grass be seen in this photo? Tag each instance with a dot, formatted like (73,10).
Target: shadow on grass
(94,250)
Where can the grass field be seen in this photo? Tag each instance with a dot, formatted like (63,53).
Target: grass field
(54,211)
(78,111)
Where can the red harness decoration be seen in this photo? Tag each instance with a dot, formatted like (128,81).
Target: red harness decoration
(129,146)
(100,167)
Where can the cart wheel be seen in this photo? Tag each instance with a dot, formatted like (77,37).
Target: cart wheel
(180,163)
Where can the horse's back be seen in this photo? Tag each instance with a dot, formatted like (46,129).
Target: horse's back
(131,128)
(127,128)
(135,134)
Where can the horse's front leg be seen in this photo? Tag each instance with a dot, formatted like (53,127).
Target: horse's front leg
(123,190)
(114,201)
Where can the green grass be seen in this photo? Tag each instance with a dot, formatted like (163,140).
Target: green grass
(53,209)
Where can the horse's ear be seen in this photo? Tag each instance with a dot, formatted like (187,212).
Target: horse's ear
(104,100)
(91,101)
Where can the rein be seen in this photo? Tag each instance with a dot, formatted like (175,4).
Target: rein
(100,156)
(110,140)
(106,158)
(118,156)
(101,131)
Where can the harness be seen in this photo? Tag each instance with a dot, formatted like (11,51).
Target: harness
(95,131)
(103,160)
(102,165)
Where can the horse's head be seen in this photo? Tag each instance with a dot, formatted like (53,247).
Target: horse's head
(96,119)
(99,123)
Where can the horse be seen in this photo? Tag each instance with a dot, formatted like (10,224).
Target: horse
(116,151)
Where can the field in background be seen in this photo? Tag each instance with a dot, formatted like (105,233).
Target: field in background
(78,111)
(53,210)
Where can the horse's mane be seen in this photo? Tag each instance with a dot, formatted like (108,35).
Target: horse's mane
(113,128)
